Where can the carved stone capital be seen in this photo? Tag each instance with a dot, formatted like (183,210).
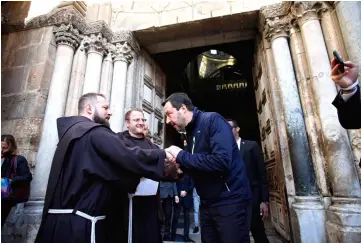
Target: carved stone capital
(277,26)
(67,35)
(276,10)
(97,27)
(305,11)
(128,37)
(122,52)
(64,15)
(95,43)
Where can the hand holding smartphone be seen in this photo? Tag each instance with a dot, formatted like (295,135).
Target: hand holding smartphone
(339,60)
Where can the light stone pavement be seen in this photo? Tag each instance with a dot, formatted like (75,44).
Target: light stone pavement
(272,235)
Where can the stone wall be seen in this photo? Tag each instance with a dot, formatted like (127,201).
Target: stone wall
(137,15)
(27,61)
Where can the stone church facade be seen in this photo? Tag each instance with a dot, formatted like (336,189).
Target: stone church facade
(49,60)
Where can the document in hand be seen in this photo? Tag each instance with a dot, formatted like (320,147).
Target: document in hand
(146,187)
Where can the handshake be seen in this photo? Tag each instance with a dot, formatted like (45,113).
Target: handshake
(171,154)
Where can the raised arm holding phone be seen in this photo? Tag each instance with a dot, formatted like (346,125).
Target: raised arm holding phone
(347,101)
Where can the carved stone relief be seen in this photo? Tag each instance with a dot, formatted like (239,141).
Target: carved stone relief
(67,35)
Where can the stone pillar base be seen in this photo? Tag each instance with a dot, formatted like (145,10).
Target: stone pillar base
(311,218)
(344,220)
(33,212)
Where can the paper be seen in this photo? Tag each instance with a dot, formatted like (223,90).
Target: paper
(146,187)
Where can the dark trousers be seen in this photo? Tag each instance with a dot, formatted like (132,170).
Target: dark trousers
(227,223)
(167,210)
(176,213)
(257,226)
(6,207)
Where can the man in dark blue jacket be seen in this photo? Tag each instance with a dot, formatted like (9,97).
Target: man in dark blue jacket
(212,158)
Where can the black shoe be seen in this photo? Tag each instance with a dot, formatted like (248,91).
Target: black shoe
(187,239)
(196,230)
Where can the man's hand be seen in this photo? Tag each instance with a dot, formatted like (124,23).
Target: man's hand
(176,199)
(169,156)
(183,193)
(264,210)
(173,150)
(347,78)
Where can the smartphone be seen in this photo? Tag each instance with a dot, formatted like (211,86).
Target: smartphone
(339,61)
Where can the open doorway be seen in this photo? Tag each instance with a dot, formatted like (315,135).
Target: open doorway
(217,78)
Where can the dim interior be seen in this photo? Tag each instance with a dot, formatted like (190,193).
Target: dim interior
(217,78)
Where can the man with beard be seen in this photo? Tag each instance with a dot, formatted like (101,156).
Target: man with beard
(213,160)
(146,225)
(89,163)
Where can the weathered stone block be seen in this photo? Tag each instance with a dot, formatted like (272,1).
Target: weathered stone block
(35,76)
(221,10)
(21,55)
(201,11)
(39,53)
(48,36)
(12,80)
(7,126)
(92,12)
(30,156)
(24,105)
(37,36)
(24,37)
(39,76)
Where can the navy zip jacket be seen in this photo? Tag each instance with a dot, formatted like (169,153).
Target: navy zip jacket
(215,165)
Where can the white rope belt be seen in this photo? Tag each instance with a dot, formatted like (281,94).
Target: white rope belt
(130,222)
(81,214)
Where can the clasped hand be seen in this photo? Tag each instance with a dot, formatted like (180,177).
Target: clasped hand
(171,155)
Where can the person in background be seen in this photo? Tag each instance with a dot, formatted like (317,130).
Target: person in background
(347,101)
(168,195)
(184,187)
(257,175)
(196,202)
(15,168)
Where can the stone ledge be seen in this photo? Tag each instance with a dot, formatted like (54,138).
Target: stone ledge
(67,14)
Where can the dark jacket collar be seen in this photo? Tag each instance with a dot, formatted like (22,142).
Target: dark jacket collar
(190,127)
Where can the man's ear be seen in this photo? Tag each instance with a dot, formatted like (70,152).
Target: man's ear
(183,107)
(237,129)
(89,109)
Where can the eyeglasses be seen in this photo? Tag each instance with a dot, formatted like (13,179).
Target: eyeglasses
(139,119)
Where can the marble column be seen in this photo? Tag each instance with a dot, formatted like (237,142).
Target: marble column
(331,31)
(95,47)
(282,152)
(349,17)
(67,39)
(130,83)
(122,56)
(303,172)
(76,81)
(307,204)
(344,215)
(312,123)
(107,76)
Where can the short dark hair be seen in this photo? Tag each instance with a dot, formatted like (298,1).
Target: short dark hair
(234,123)
(179,99)
(86,98)
(128,113)
(10,140)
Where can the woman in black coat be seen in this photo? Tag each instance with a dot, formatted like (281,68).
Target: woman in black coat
(14,167)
